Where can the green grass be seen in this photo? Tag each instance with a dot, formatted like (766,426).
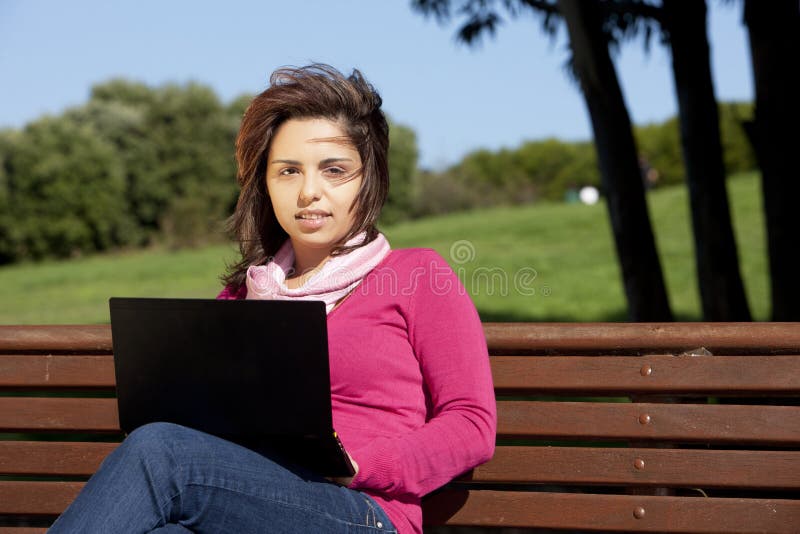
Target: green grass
(77,291)
(571,249)
(542,262)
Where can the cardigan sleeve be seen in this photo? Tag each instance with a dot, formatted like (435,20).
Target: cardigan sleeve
(447,338)
(233,293)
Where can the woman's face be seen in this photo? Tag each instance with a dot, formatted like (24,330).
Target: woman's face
(313,178)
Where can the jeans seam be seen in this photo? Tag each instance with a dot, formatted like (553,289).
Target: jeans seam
(372,506)
(287,504)
(173,476)
(370,511)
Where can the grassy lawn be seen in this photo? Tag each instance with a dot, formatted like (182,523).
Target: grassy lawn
(543,262)
(570,249)
(77,291)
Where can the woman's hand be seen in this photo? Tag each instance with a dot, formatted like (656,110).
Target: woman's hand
(345,481)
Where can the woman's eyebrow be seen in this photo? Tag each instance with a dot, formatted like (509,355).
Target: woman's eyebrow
(285,161)
(328,161)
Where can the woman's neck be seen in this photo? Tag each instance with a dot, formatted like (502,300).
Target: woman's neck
(306,264)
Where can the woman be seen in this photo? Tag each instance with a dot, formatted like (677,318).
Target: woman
(411,387)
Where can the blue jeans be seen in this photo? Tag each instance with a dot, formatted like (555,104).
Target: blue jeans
(171,479)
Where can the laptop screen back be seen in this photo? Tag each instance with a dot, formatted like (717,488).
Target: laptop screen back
(246,370)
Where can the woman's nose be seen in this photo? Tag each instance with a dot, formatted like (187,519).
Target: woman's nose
(310,190)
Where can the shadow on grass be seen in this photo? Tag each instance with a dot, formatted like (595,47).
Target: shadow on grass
(615,316)
(518,316)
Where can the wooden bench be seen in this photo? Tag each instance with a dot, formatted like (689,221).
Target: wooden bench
(602,427)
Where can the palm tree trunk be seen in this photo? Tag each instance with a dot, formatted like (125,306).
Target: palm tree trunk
(774,29)
(717,262)
(619,168)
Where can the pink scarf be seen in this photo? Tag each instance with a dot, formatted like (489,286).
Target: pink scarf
(336,279)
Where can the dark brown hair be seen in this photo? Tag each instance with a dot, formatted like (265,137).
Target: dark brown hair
(314,91)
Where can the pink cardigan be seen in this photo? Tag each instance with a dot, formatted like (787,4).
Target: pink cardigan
(411,387)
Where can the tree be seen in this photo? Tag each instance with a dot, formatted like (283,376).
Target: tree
(194,139)
(660,150)
(716,259)
(619,167)
(7,252)
(176,142)
(591,62)
(131,164)
(66,191)
(403,155)
(774,29)
(736,147)
(123,126)
(493,178)
(549,167)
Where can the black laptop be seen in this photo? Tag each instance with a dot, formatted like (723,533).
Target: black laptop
(251,371)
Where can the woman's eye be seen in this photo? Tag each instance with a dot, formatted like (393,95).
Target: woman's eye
(337,174)
(288,171)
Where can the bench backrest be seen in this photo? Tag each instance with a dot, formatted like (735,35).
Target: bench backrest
(607,427)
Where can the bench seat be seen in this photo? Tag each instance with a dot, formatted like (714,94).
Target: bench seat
(677,427)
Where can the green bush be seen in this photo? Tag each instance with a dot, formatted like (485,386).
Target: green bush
(65,192)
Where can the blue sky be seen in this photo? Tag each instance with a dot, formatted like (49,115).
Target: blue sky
(510,89)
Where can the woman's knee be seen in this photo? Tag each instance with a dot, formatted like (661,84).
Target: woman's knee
(154,439)
(156,432)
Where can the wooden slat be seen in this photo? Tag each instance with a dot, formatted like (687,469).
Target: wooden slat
(719,338)
(714,375)
(765,425)
(56,371)
(545,465)
(55,338)
(52,458)
(37,498)
(535,509)
(32,414)
(564,465)
(618,513)
(681,468)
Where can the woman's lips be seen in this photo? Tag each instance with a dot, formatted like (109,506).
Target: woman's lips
(312,220)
